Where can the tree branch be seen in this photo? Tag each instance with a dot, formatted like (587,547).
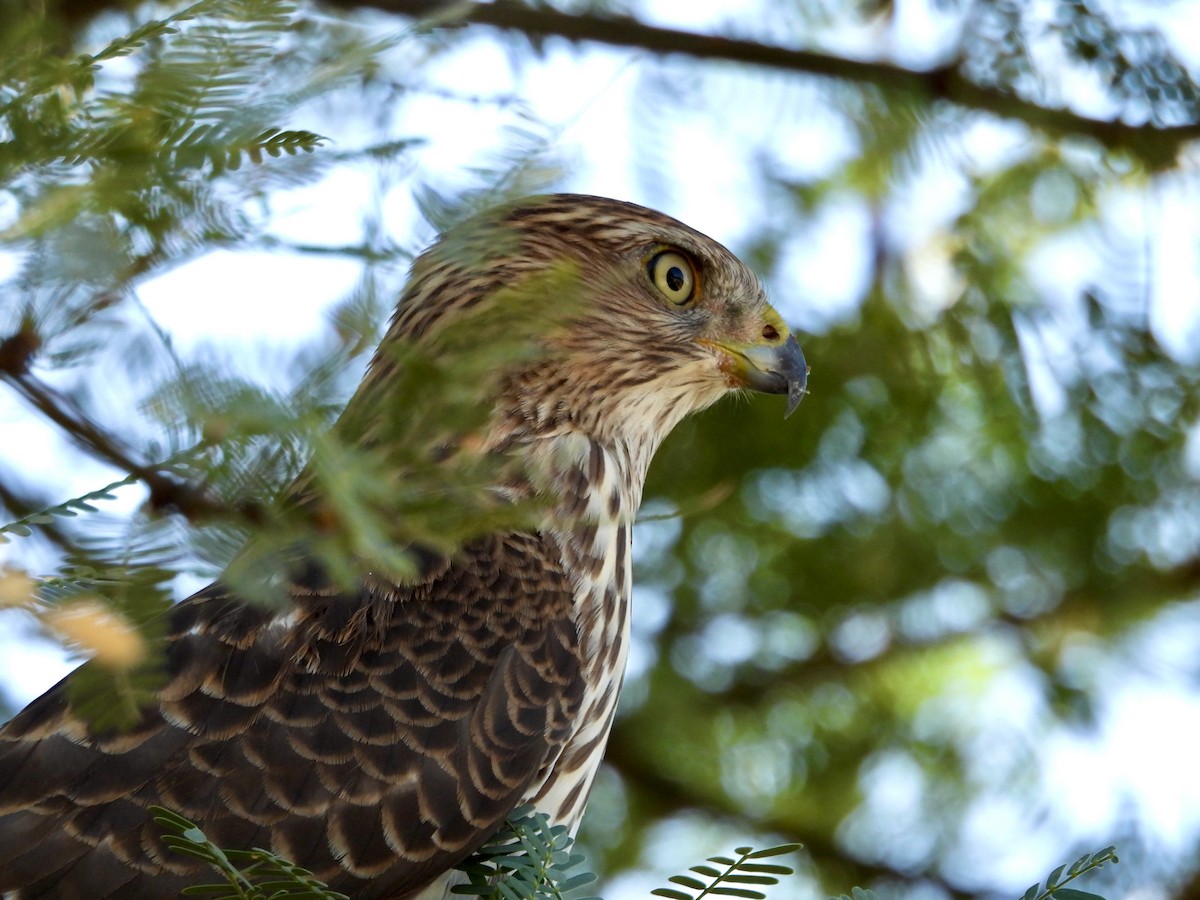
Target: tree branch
(1156,147)
(166,492)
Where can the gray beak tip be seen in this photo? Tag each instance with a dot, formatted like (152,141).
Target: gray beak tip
(795,370)
(796,392)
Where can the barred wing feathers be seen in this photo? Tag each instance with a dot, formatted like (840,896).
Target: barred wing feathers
(376,739)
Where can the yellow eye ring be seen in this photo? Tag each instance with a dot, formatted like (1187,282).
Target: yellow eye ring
(674,276)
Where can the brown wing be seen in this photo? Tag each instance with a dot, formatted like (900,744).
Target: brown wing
(376,739)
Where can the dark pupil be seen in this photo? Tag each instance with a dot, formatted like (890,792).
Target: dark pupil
(675,278)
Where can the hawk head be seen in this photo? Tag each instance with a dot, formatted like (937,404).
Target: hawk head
(659,320)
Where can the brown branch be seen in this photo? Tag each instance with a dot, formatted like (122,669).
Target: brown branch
(166,492)
(1157,147)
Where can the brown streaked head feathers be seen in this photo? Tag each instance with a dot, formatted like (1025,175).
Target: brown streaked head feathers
(632,359)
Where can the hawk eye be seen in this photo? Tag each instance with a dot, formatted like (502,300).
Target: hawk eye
(673,275)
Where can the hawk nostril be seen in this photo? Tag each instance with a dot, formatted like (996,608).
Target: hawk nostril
(769,332)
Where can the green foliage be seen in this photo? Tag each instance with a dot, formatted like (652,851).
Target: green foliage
(79,149)
(185,108)
(114,166)
(248,874)
(530,859)
(729,880)
(1057,881)
(117,164)
(1055,885)
(527,859)
(23,527)
(858,893)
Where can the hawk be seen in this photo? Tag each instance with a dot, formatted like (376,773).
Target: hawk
(377,736)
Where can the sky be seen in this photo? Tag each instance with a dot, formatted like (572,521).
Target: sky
(588,104)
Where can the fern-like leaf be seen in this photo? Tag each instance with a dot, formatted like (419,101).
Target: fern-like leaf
(527,859)
(1055,885)
(23,527)
(247,874)
(727,881)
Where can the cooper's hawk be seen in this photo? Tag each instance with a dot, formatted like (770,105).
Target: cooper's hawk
(378,736)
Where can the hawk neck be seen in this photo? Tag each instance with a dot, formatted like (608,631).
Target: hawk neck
(600,486)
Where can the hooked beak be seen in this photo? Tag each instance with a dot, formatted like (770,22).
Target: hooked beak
(769,368)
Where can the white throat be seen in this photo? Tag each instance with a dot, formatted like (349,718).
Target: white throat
(593,532)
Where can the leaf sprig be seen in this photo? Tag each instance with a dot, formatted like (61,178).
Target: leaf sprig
(249,874)
(68,509)
(726,882)
(1057,880)
(528,859)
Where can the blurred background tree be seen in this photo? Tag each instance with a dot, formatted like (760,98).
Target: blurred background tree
(942,628)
